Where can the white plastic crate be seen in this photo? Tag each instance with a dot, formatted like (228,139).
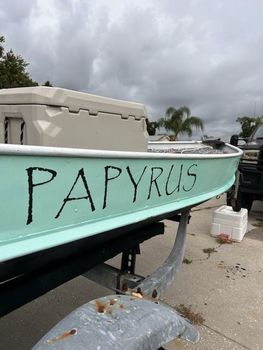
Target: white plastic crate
(228,222)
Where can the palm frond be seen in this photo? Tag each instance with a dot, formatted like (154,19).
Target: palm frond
(169,112)
(196,122)
(180,121)
(184,110)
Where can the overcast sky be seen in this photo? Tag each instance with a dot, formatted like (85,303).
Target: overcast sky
(205,54)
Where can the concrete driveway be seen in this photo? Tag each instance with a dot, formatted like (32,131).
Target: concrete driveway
(222,289)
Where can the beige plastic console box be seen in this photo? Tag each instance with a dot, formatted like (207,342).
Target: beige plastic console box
(49,116)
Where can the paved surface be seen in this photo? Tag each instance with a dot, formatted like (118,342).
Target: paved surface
(225,288)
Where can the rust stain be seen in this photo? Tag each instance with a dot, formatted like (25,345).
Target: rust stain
(62,336)
(137,295)
(124,287)
(154,294)
(121,306)
(101,307)
(107,307)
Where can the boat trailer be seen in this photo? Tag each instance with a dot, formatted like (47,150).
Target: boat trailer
(133,318)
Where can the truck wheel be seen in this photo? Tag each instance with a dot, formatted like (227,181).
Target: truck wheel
(231,201)
(229,196)
(243,200)
(246,200)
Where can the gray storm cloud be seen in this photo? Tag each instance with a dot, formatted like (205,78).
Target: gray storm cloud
(203,54)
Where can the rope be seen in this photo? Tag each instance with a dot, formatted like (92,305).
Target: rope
(22,126)
(6,124)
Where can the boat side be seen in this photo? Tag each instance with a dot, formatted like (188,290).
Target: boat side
(52,196)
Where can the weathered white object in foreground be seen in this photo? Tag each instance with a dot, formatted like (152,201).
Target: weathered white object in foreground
(228,222)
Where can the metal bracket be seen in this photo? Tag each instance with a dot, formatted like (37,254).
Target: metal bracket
(117,280)
(128,260)
(161,278)
(113,278)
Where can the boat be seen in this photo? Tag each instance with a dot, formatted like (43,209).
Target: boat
(67,206)
(53,196)
(57,188)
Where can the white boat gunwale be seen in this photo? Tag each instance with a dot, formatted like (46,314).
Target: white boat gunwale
(25,150)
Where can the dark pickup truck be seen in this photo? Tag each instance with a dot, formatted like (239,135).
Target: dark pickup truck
(249,183)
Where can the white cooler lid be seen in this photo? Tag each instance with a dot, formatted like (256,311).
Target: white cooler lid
(73,100)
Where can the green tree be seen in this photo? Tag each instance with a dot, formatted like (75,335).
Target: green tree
(13,69)
(248,125)
(180,121)
(47,83)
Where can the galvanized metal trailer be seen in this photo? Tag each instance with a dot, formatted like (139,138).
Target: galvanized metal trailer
(132,319)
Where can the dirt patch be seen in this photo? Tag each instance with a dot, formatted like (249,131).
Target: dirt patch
(193,317)
(209,251)
(233,271)
(256,233)
(236,271)
(187,261)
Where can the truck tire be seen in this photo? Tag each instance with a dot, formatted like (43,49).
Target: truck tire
(243,200)
(246,200)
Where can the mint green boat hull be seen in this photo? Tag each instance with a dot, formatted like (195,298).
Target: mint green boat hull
(50,197)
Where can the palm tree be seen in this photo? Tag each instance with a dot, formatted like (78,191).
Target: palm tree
(180,121)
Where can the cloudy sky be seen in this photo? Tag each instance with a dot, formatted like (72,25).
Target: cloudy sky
(205,54)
